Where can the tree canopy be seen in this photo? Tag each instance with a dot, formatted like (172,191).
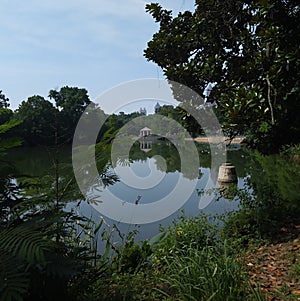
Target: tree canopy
(4,101)
(46,123)
(251,49)
(38,116)
(72,100)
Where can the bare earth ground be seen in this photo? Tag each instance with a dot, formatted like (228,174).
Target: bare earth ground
(272,266)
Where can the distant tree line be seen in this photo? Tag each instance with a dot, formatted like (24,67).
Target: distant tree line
(53,122)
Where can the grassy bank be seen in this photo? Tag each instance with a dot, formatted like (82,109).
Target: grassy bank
(190,260)
(195,260)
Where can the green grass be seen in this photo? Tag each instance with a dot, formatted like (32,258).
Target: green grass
(188,261)
(204,274)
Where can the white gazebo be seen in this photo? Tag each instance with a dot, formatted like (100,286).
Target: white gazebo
(144,132)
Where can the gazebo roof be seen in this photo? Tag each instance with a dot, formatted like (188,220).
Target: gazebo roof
(145,129)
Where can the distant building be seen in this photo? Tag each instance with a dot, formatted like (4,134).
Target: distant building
(157,107)
(143,111)
(144,132)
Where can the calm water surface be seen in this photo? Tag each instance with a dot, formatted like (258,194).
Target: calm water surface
(38,162)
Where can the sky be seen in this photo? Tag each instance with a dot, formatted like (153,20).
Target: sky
(92,44)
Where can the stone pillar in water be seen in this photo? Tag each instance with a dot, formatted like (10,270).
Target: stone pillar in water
(227,173)
(227,179)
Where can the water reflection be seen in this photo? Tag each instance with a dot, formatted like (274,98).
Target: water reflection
(160,179)
(228,190)
(141,150)
(145,145)
(264,174)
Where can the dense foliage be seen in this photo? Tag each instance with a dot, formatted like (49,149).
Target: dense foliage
(45,123)
(39,121)
(4,101)
(250,49)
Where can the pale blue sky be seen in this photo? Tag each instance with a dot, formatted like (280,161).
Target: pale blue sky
(94,44)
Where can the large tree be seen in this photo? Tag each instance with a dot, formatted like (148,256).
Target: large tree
(251,49)
(72,100)
(39,120)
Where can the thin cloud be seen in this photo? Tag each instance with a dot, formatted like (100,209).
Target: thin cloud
(49,43)
(73,26)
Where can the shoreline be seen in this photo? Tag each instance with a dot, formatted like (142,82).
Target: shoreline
(220,139)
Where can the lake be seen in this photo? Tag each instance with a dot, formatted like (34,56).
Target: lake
(152,189)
